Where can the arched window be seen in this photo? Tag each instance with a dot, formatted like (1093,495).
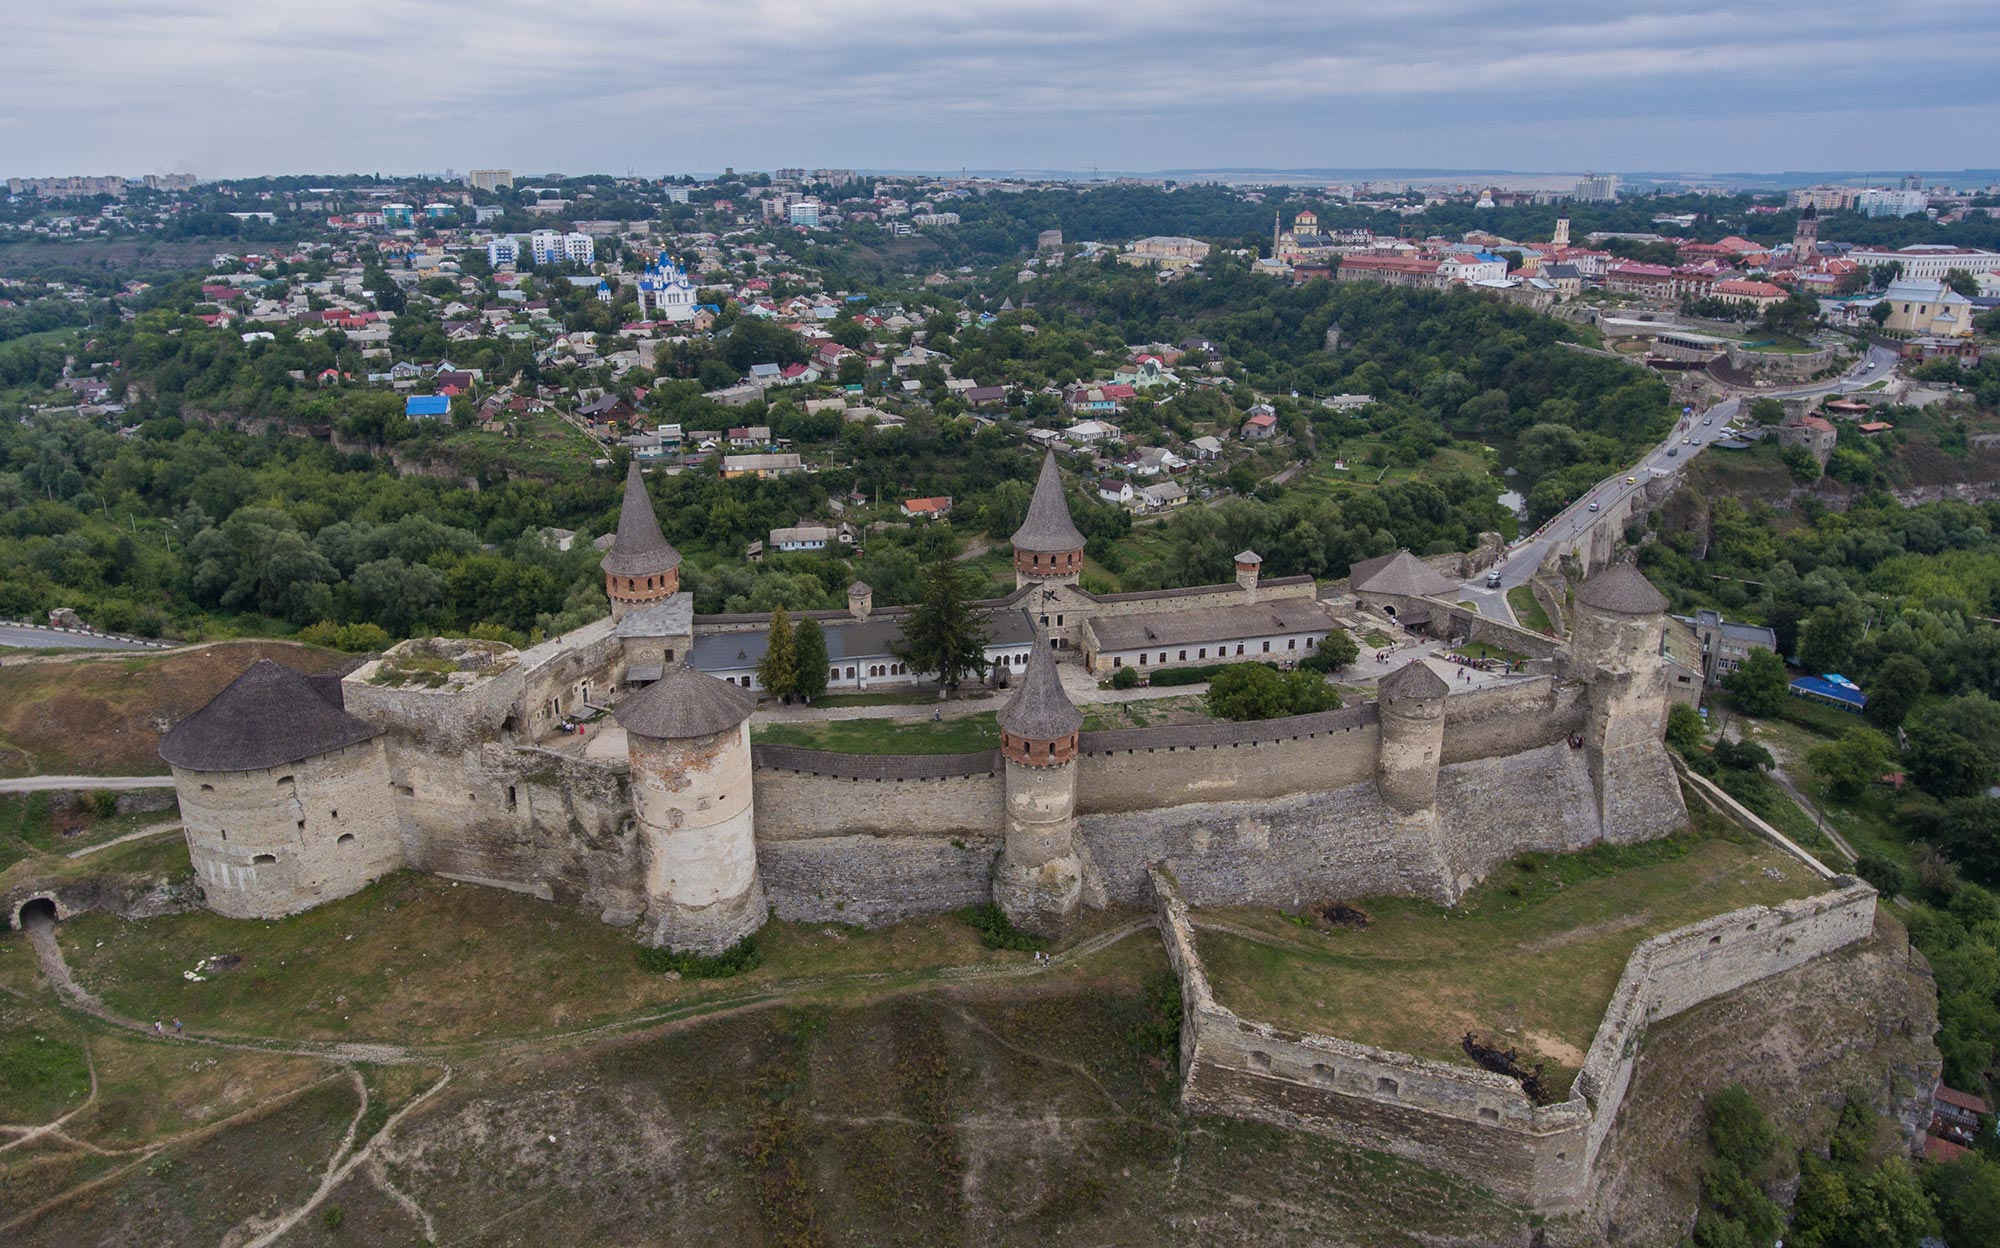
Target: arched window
(262,860)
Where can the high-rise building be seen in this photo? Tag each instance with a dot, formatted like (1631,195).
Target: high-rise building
(805,212)
(490,179)
(1597,188)
(503,251)
(1881,202)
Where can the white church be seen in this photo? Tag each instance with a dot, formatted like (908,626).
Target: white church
(666,293)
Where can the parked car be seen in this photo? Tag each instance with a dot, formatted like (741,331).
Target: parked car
(1493,579)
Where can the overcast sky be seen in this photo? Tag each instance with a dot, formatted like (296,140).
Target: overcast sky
(235,87)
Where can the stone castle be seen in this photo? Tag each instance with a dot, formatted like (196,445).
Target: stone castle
(450,756)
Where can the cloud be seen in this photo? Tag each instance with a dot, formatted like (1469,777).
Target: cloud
(237,87)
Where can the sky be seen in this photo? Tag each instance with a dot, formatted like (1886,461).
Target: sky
(232,88)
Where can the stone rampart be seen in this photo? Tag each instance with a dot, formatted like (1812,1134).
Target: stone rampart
(1508,718)
(876,879)
(1467,1121)
(1144,768)
(801,801)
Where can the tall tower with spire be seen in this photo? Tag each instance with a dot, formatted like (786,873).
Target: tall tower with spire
(1561,236)
(1038,882)
(1048,548)
(641,567)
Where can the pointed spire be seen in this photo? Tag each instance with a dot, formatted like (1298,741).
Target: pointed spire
(640,549)
(1040,710)
(1048,528)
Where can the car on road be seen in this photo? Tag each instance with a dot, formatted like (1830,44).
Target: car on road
(1709,421)
(1593,505)
(1631,480)
(1493,579)
(1673,450)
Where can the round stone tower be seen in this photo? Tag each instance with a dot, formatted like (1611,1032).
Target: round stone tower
(1615,647)
(1039,880)
(1047,547)
(284,796)
(1249,566)
(641,567)
(688,740)
(1410,702)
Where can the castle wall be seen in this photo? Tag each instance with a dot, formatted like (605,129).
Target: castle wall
(1144,768)
(284,839)
(1267,851)
(531,820)
(1491,808)
(1504,719)
(876,839)
(1467,1121)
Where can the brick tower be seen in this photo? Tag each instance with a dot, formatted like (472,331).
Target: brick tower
(641,567)
(1048,549)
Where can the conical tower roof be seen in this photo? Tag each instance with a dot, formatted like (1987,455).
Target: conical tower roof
(1040,710)
(685,703)
(1414,680)
(1622,590)
(639,549)
(268,716)
(1048,529)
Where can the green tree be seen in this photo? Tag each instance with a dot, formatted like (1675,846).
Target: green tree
(943,634)
(778,671)
(1944,763)
(1896,685)
(1852,763)
(1826,641)
(1759,684)
(811,663)
(1970,833)
(1880,313)
(1685,731)
(1967,1195)
(1335,650)
(1962,282)
(1253,691)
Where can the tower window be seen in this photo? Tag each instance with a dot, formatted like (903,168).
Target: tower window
(262,860)
(345,838)
(512,799)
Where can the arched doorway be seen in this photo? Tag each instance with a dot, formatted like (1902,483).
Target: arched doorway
(35,911)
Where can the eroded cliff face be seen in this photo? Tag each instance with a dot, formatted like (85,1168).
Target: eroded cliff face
(1858,1021)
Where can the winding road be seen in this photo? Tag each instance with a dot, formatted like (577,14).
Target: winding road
(1525,554)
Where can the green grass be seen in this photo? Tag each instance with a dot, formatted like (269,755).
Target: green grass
(1528,610)
(1531,956)
(1378,639)
(35,835)
(966,734)
(42,1067)
(926,696)
(419,959)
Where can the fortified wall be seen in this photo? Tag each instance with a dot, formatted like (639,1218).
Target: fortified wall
(1470,1122)
(434,752)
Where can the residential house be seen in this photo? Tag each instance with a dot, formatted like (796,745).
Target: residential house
(1725,645)
(1260,425)
(1119,492)
(782,464)
(1162,495)
(935,508)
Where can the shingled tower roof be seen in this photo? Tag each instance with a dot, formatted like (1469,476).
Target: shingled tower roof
(1048,528)
(1622,590)
(640,549)
(1414,680)
(1040,710)
(268,716)
(685,703)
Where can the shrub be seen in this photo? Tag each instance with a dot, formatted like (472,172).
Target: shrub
(740,957)
(1888,878)
(100,803)
(997,932)
(1125,678)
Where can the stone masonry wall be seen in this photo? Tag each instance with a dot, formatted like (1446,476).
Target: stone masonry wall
(1463,1120)
(526,819)
(1505,719)
(875,879)
(797,805)
(1134,775)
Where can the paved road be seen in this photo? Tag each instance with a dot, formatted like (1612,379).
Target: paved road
(1526,554)
(37,784)
(38,639)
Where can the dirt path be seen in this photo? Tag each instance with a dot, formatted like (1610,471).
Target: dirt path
(1792,791)
(158,829)
(36,784)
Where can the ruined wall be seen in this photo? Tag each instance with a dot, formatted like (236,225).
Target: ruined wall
(872,879)
(1466,1121)
(284,839)
(1678,970)
(1459,1120)
(526,819)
